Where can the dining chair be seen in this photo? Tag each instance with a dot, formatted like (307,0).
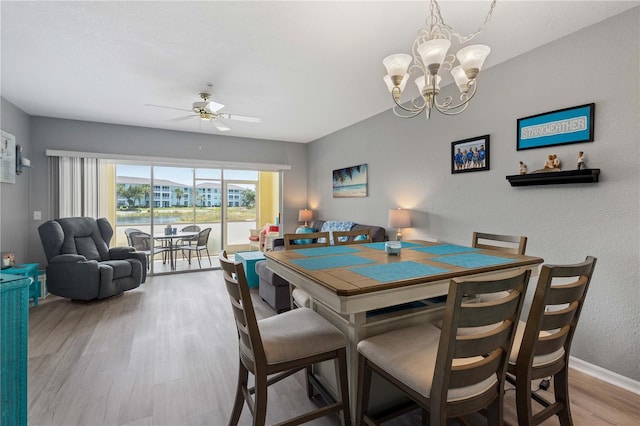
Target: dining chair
(444,373)
(300,298)
(276,347)
(501,243)
(198,245)
(542,344)
(505,243)
(361,236)
(310,240)
(141,241)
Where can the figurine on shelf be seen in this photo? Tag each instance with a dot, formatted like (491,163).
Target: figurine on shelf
(549,163)
(556,162)
(523,168)
(581,164)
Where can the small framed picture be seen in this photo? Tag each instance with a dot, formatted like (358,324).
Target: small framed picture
(8,259)
(470,155)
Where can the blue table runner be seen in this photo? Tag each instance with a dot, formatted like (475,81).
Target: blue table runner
(328,250)
(472,260)
(398,271)
(445,249)
(326,262)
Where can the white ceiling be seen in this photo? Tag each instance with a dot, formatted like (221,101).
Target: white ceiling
(307,68)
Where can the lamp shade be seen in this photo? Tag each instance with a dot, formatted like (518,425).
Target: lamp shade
(434,51)
(472,57)
(397,64)
(305,215)
(399,218)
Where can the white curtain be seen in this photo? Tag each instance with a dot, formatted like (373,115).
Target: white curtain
(81,187)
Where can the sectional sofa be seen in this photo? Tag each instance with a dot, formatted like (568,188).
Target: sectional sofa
(274,289)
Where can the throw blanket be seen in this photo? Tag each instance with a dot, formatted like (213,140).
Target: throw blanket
(335,225)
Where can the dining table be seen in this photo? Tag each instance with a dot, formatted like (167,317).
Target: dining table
(169,241)
(364,290)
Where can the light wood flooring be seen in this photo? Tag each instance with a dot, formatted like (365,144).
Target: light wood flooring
(166,354)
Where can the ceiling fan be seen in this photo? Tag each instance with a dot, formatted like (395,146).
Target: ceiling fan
(208,110)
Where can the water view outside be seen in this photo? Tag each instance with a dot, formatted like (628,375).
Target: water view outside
(186,196)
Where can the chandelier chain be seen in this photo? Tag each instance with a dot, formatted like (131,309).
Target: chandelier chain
(462,39)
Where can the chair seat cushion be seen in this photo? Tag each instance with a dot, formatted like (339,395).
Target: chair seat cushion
(121,268)
(409,354)
(297,334)
(539,360)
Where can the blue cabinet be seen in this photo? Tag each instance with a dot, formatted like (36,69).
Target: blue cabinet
(14,334)
(28,270)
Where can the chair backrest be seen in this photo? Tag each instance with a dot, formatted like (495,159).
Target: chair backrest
(141,241)
(506,243)
(128,233)
(85,236)
(361,236)
(314,237)
(191,228)
(251,349)
(203,237)
(554,313)
(479,358)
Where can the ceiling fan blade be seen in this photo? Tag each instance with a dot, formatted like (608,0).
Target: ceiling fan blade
(162,106)
(240,117)
(186,117)
(220,125)
(214,106)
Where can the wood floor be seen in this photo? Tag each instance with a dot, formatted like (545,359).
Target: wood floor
(166,354)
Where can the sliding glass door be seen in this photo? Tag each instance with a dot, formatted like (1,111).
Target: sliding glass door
(173,204)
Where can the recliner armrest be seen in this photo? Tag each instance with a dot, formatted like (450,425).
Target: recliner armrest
(68,258)
(121,253)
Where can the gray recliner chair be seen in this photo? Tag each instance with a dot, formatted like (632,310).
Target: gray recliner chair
(81,265)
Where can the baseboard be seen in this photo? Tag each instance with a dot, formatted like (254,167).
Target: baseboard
(607,376)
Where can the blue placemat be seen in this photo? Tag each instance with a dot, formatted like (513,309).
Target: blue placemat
(445,249)
(328,250)
(326,262)
(397,271)
(472,260)
(380,246)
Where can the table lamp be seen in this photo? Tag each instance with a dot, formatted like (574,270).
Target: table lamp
(305,216)
(399,218)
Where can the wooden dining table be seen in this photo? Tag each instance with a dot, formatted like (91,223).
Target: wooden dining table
(364,291)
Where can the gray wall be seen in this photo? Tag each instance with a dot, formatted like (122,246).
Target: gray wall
(14,198)
(409,167)
(51,133)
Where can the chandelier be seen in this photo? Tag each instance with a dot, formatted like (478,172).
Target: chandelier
(429,58)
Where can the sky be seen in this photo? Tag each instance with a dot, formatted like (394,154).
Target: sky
(183,175)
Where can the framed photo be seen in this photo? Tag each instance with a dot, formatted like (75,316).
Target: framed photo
(561,127)
(350,182)
(470,155)
(8,259)
(8,158)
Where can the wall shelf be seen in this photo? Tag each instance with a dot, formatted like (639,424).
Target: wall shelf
(555,178)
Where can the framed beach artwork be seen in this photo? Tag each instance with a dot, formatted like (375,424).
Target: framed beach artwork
(350,182)
(470,155)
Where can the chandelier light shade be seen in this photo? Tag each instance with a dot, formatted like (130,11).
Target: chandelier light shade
(399,218)
(305,216)
(430,58)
